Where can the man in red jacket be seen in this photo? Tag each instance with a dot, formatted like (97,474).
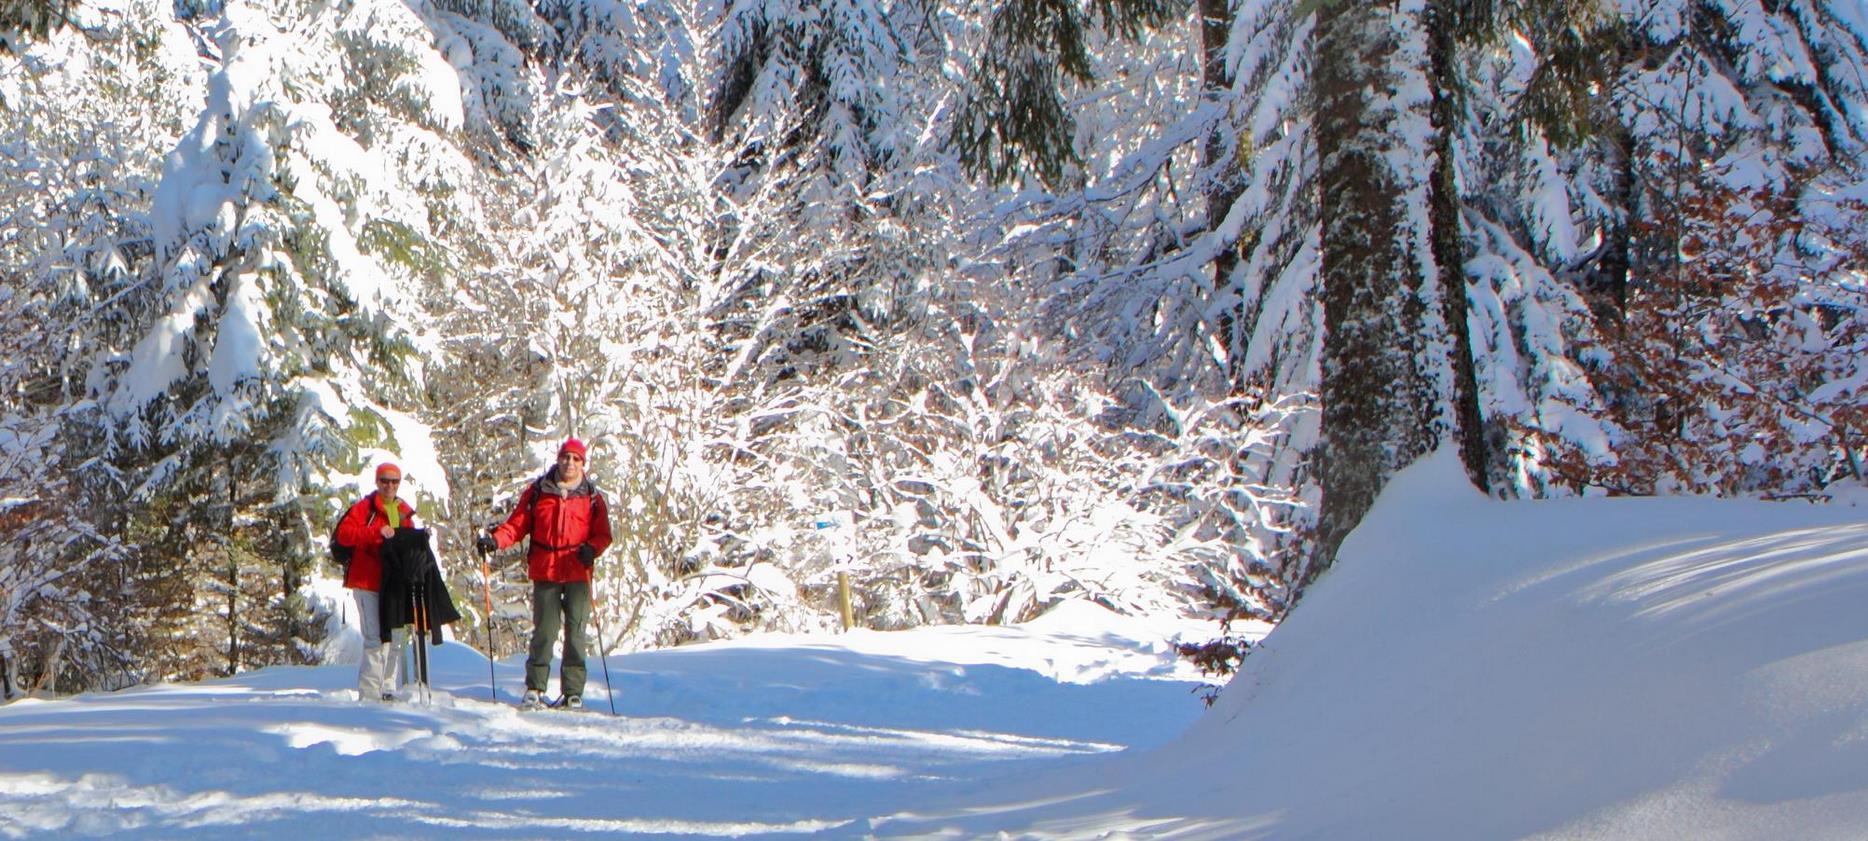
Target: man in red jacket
(370,521)
(568,522)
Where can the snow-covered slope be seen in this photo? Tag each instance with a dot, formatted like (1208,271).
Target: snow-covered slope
(1626,668)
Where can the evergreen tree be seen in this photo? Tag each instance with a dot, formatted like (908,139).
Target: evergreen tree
(270,322)
(1729,120)
(81,130)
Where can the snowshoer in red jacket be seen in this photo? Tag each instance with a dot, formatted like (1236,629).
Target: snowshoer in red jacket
(568,522)
(370,521)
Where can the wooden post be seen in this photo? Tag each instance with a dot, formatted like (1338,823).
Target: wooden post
(843,600)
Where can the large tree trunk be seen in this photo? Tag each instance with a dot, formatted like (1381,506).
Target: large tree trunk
(1379,405)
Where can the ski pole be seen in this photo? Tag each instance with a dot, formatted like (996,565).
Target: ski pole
(421,639)
(486,581)
(602,651)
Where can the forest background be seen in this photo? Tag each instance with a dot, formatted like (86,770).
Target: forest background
(978,306)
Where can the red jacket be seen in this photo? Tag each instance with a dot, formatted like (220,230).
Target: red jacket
(362,530)
(557,521)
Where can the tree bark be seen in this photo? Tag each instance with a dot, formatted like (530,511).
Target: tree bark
(1219,158)
(1378,409)
(1449,250)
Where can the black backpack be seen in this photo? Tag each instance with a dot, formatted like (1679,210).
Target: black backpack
(340,554)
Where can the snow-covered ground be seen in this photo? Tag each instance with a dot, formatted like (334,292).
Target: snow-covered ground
(1647,668)
(770,737)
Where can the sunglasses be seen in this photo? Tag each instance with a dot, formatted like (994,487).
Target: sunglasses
(389,481)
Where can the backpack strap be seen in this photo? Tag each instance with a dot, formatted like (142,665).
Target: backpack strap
(597,502)
(369,514)
(339,552)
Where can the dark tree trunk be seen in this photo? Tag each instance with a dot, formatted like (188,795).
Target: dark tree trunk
(233,616)
(231,495)
(1219,155)
(1449,251)
(1605,283)
(1377,407)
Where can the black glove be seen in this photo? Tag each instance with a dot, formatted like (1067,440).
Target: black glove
(587,554)
(486,544)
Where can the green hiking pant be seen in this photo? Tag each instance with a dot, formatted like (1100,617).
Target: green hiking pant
(557,606)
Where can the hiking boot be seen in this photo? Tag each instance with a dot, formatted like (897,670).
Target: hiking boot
(533,700)
(389,697)
(574,702)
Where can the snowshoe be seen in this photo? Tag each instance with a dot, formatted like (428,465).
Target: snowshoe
(533,700)
(572,703)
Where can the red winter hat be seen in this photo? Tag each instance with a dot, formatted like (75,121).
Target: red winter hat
(388,467)
(572,445)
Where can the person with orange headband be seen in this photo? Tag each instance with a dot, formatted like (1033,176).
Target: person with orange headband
(370,521)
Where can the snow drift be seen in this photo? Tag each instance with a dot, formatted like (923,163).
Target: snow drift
(1599,668)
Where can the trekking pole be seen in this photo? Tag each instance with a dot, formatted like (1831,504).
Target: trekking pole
(429,631)
(420,615)
(421,647)
(486,582)
(603,653)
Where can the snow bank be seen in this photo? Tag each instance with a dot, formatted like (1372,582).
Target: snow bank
(1625,668)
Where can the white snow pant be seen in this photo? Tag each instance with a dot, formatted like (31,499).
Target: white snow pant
(381,669)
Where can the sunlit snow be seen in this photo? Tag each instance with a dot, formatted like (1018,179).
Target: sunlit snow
(1575,669)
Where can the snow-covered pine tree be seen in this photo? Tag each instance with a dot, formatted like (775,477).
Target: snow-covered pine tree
(1014,114)
(1444,359)
(1722,119)
(1528,95)
(1729,316)
(255,358)
(82,133)
(817,106)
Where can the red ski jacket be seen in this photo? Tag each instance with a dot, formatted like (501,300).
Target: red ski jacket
(558,522)
(362,530)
